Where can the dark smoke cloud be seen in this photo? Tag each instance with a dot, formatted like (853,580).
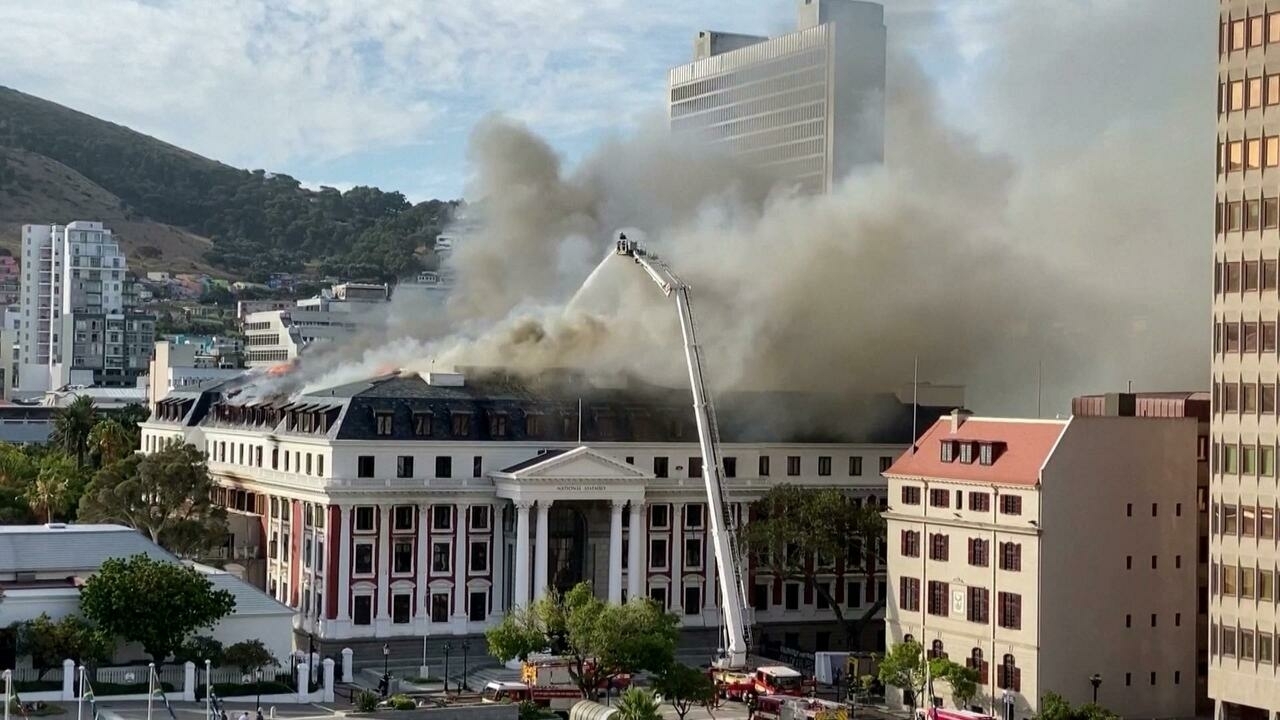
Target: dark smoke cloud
(1056,224)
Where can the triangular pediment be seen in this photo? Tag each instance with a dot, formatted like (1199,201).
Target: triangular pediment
(579,463)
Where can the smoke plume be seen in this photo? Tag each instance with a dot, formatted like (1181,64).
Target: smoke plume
(1071,257)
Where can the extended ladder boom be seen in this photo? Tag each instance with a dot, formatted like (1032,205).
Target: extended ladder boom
(730,569)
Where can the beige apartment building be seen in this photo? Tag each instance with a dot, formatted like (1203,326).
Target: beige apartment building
(1243,677)
(1043,552)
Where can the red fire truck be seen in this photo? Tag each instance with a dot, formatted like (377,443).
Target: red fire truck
(789,707)
(764,680)
(545,681)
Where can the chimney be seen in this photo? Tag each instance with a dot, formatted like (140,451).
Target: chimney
(958,416)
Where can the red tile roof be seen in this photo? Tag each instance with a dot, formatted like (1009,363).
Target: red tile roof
(1027,445)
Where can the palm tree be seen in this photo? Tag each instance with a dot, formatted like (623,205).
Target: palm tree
(110,441)
(638,704)
(72,426)
(54,490)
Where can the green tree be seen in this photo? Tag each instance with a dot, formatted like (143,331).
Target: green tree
(155,603)
(962,680)
(249,656)
(165,495)
(903,667)
(791,525)
(601,641)
(72,425)
(48,643)
(199,648)
(130,415)
(638,704)
(1055,707)
(109,441)
(685,688)
(56,488)
(17,472)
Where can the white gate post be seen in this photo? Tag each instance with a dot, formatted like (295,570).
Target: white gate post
(304,681)
(328,680)
(189,682)
(347,653)
(68,680)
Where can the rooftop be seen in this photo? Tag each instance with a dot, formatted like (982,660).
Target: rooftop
(1019,449)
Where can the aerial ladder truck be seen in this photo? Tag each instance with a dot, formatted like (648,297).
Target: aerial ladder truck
(730,565)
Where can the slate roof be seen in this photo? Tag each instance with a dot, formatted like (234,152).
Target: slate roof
(81,550)
(71,548)
(249,599)
(632,411)
(536,459)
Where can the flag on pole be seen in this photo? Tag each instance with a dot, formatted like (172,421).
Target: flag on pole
(159,691)
(928,689)
(18,701)
(87,694)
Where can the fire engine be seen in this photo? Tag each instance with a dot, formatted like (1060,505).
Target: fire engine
(547,682)
(789,707)
(765,680)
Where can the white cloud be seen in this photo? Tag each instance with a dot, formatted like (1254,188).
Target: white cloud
(269,83)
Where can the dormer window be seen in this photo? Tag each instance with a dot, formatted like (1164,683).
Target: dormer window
(460,423)
(497,425)
(986,454)
(422,424)
(382,422)
(966,452)
(948,450)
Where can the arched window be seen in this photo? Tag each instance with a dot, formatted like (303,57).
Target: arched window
(908,638)
(936,651)
(1009,677)
(976,662)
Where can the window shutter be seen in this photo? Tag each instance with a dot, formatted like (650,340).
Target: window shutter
(1000,672)
(1017,679)
(983,671)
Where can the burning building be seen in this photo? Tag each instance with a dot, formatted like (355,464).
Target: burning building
(414,504)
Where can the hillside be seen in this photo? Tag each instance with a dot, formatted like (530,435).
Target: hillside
(40,188)
(57,165)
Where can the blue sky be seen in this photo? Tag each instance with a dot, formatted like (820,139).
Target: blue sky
(346,92)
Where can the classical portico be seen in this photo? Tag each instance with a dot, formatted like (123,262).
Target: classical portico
(572,478)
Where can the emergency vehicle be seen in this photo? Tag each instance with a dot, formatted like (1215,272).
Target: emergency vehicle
(790,707)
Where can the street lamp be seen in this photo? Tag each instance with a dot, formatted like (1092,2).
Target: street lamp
(465,647)
(386,669)
(1095,680)
(1008,704)
(448,645)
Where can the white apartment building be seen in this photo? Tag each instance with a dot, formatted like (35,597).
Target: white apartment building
(76,326)
(404,505)
(807,106)
(1042,552)
(272,337)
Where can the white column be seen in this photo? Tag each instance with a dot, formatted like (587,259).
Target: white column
(615,551)
(677,559)
(423,574)
(344,564)
(637,558)
(541,548)
(460,563)
(384,569)
(520,591)
(497,562)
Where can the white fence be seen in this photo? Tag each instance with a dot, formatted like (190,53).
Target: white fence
(183,679)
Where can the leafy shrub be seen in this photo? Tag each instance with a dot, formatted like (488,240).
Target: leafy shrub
(403,702)
(366,701)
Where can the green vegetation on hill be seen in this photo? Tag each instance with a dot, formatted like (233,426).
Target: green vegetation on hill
(259,222)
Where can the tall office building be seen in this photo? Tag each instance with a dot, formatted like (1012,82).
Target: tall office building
(807,106)
(77,328)
(1243,678)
